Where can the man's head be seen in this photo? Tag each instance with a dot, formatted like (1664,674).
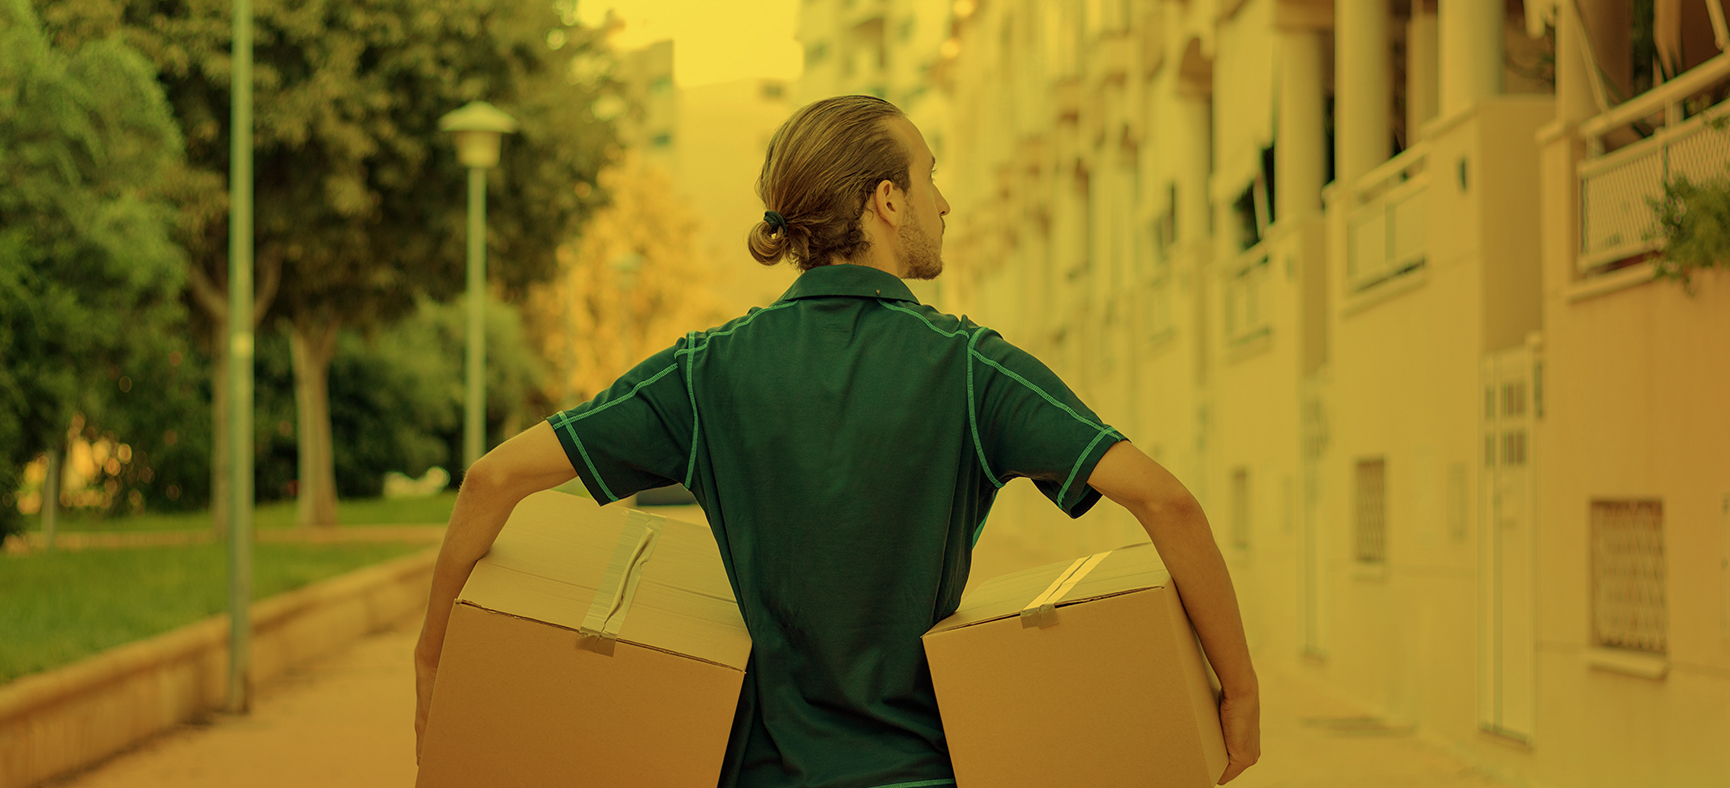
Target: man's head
(852,177)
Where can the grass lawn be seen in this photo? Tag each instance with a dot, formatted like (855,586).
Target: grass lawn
(433,510)
(59,607)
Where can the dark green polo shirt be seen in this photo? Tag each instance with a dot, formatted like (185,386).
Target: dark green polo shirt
(846,443)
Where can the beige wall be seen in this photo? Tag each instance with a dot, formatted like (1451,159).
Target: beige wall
(1067,129)
(724,132)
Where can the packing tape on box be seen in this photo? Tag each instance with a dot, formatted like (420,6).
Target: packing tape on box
(600,629)
(1042,611)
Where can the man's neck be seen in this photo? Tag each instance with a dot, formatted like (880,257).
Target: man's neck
(880,261)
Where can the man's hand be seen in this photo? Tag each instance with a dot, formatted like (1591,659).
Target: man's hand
(424,670)
(1240,720)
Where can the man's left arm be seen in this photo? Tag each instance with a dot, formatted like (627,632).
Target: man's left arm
(526,464)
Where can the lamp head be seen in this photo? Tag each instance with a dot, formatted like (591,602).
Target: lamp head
(477,127)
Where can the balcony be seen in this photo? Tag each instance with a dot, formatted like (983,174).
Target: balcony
(1386,220)
(1246,314)
(1616,221)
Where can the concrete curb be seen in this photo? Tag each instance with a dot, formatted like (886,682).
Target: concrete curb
(55,722)
(84,540)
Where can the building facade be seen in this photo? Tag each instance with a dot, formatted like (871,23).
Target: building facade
(710,140)
(1376,281)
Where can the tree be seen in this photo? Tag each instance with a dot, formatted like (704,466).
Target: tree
(596,319)
(89,276)
(358,200)
(396,398)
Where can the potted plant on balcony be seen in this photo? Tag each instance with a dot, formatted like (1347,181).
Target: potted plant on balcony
(1693,228)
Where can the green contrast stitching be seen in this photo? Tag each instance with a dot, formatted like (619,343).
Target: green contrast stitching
(572,431)
(633,393)
(1037,390)
(691,464)
(1078,460)
(921,784)
(747,322)
(922,319)
(691,362)
(973,420)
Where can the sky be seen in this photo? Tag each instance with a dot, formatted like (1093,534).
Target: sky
(713,40)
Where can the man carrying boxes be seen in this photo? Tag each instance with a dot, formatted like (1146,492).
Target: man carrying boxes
(846,444)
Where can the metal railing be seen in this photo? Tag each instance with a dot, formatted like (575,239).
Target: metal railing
(1616,221)
(1386,219)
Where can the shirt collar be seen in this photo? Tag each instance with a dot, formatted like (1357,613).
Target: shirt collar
(847,279)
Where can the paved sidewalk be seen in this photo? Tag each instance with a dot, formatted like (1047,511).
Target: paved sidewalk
(347,721)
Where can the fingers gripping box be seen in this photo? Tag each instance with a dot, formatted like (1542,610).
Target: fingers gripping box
(1082,673)
(593,645)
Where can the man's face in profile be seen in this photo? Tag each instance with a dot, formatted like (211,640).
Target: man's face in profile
(918,251)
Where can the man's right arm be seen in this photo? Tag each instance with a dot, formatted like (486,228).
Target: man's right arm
(1180,532)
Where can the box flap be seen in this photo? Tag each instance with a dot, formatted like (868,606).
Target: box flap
(553,553)
(1129,568)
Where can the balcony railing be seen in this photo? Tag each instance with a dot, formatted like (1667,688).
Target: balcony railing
(1616,221)
(1386,218)
(1246,314)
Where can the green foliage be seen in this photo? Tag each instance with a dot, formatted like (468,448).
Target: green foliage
(396,399)
(358,193)
(359,200)
(163,415)
(106,598)
(89,276)
(1693,222)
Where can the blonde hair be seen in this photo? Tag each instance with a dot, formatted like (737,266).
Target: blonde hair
(821,166)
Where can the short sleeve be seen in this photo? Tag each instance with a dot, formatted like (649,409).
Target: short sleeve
(1028,423)
(636,435)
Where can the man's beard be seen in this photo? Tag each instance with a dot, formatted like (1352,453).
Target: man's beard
(918,255)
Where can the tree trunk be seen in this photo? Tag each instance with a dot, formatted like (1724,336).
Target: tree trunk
(213,299)
(313,345)
(51,490)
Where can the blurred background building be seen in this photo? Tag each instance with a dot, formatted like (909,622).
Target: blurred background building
(1376,281)
(710,138)
(1389,285)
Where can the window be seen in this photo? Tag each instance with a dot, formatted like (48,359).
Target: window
(1514,440)
(1245,319)
(1243,212)
(1371,546)
(1253,208)
(1628,574)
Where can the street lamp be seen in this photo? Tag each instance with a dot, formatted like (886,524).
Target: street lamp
(477,127)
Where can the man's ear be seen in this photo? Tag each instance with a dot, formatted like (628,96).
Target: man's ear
(884,203)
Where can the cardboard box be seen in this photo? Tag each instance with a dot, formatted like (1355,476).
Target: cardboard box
(1083,673)
(592,645)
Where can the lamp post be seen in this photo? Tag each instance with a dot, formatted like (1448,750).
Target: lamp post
(477,127)
(240,381)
